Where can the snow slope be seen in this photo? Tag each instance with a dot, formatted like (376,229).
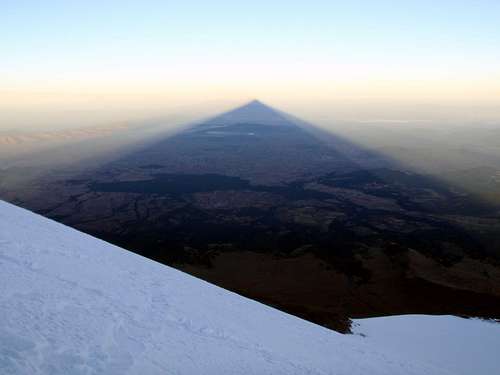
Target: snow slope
(464,346)
(72,304)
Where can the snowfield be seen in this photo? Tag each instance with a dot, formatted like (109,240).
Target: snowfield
(463,346)
(72,304)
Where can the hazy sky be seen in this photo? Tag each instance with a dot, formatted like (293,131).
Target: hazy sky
(71,55)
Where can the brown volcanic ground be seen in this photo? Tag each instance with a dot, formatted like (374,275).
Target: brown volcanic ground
(310,288)
(327,232)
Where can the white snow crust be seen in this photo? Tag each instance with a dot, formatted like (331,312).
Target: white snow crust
(73,304)
(463,346)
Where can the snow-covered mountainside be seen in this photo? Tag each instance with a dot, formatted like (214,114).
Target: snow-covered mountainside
(72,304)
(463,346)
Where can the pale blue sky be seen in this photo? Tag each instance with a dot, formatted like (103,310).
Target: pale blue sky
(360,48)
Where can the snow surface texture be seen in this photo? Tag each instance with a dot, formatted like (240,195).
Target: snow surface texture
(72,304)
(463,346)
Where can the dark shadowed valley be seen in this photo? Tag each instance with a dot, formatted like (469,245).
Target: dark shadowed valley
(272,208)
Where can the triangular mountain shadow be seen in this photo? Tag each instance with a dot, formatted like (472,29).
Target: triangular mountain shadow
(254,112)
(241,183)
(257,143)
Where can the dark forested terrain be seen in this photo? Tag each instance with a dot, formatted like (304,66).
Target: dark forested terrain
(309,223)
